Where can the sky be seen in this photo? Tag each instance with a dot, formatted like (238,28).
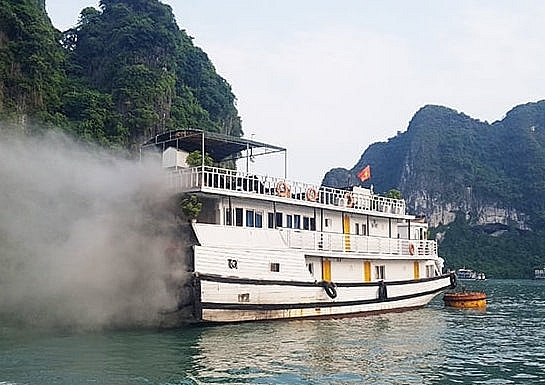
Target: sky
(326,79)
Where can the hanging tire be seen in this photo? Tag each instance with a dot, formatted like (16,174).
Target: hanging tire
(330,290)
(453,280)
(382,291)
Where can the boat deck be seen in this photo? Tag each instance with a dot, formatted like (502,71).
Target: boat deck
(238,183)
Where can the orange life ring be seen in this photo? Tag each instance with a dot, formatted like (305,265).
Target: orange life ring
(311,194)
(349,200)
(282,189)
(411,248)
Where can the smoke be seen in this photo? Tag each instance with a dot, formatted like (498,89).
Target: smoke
(82,236)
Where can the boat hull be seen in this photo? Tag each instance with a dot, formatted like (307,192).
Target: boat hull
(236,300)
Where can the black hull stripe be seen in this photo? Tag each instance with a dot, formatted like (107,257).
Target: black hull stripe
(331,304)
(249,281)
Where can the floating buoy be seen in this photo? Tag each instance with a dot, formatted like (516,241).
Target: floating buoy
(465,300)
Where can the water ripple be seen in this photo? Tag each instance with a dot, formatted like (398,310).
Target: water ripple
(435,345)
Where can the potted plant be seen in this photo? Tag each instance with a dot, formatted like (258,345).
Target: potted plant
(190,207)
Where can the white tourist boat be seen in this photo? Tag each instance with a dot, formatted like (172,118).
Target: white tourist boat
(267,247)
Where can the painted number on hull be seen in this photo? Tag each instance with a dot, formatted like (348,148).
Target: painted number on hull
(232,263)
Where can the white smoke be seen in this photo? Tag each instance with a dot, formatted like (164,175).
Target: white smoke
(82,235)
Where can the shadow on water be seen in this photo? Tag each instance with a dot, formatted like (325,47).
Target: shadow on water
(114,357)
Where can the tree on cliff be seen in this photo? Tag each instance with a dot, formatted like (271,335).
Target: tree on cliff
(124,73)
(31,62)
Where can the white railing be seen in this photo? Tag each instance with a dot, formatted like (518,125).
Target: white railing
(313,240)
(219,179)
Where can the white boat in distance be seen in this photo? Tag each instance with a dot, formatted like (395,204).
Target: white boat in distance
(468,274)
(267,247)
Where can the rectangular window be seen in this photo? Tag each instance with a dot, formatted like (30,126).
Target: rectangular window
(270,220)
(358,229)
(279,220)
(313,224)
(326,222)
(380,272)
(259,219)
(238,216)
(296,221)
(363,229)
(306,223)
(250,218)
(228,217)
(289,221)
(430,271)
(275,267)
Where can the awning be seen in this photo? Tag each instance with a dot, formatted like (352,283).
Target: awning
(219,146)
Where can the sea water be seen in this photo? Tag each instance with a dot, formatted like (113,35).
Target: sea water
(435,345)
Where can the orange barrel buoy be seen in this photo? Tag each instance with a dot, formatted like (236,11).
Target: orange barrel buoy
(465,299)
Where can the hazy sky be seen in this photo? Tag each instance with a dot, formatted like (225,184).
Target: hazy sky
(326,79)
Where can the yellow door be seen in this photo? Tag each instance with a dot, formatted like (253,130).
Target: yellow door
(367,271)
(416,266)
(326,271)
(346,230)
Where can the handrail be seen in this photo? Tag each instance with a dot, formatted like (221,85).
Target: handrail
(352,243)
(220,179)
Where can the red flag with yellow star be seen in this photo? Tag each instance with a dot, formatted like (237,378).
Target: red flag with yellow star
(365,173)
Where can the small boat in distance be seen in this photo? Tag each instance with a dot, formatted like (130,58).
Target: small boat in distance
(465,274)
(468,274)
(539,273)
(259,247)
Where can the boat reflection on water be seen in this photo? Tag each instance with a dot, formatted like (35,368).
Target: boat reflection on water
(390,347)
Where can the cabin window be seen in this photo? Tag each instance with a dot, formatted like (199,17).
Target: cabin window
(270,219)
(259,219)
(310,267)
(380,272)
(363,229)
(238,216)
(313,224)
(358,229)
(279,220)
(430,271)
(275,267)
(296,221)
(228,217)
(289,221)
(326,222)
(306,223)
(250,218)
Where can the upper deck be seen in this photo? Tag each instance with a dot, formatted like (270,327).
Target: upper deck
(243,184)
(247,185)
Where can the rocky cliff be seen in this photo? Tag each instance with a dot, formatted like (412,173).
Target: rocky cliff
(449,166)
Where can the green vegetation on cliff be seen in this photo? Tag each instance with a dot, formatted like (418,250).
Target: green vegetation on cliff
(122,74)
(490,176)
(31,62)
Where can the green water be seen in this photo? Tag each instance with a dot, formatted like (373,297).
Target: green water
(434,345)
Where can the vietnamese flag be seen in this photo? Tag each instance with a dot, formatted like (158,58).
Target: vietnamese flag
(365,173)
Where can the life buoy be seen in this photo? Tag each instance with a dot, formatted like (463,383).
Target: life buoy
(330,289)
(349,200)
(311,194)
(282,189)
(411,248)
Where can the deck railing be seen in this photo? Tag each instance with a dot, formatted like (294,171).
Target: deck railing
(300,239)
(220,179)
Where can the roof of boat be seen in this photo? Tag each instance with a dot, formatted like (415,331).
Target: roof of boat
(218,146)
